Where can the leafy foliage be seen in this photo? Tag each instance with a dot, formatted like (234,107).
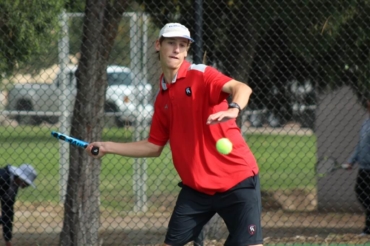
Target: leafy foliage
(325,40)
(26,28)
(256,41)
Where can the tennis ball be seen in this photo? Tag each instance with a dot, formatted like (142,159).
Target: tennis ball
(224,146)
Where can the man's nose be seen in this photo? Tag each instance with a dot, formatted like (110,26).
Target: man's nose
(177,48)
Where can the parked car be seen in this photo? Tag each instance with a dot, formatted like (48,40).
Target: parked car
(297,102)
(125,96)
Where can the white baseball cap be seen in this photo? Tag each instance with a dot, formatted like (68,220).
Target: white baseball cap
(25,172)
(175,30)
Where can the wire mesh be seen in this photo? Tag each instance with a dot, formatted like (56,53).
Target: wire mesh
(306,61)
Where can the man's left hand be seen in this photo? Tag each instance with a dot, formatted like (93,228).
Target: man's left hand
(222,116)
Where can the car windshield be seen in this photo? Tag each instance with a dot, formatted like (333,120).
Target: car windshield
(120,78)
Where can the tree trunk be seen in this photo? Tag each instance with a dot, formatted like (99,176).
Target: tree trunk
(81,215)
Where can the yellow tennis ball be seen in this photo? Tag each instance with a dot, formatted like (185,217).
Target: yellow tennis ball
(224,146)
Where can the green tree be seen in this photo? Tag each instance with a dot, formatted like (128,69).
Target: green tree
(327,35)
(24,33)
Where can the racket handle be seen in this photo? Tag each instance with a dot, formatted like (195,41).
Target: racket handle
(95,150)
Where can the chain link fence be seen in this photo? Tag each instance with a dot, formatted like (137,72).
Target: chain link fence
(306,61)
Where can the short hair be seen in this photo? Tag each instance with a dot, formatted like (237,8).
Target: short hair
(160,41)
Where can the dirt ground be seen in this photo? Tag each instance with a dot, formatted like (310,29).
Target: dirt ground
(286,218)
(278,227)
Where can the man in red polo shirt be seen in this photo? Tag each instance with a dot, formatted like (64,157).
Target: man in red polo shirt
(191,113)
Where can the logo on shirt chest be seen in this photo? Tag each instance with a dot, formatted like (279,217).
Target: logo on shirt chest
(188,91)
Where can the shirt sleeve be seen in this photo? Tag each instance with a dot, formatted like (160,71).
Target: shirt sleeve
(215,80)
(7,213)
(364,137)
(158,133)
(354,157)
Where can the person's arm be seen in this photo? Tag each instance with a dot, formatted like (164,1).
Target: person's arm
(142,148)
(354,157)
(364,140)
(7,216)
(240,94)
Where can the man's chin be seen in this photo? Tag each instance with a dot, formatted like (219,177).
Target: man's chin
(173,65)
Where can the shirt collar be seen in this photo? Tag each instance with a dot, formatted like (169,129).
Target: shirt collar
(180,74)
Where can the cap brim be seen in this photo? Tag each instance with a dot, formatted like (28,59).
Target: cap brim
(29,182)
(19,173)
(177,35)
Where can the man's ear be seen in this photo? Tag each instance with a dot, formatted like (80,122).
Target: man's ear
(157,45)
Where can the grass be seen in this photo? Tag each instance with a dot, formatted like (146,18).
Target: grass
(286,162)
(312,244)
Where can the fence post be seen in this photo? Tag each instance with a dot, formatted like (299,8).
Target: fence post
(63,48)
(198,31)
(137,68)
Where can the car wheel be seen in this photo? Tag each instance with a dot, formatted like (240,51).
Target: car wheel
(111,108)
(307,119)
(256,120)
(274,120)
(27,119)
(52,119)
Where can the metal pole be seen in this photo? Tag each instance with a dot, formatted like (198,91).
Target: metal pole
(63,47)
(144,131)
(145,54)
(138,180)
(198,32)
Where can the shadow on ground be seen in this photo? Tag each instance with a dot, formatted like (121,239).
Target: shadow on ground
(155,237)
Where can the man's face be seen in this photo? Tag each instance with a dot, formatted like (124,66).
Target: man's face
(21,183)
(172,51)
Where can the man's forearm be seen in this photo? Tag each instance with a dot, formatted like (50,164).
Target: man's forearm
(241,95)
(353,159)
(134,149)
(240,92)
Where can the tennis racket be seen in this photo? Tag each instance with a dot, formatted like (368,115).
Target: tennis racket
(74,141)
(327,165)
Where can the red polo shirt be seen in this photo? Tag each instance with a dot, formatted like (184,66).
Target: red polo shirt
(181,110)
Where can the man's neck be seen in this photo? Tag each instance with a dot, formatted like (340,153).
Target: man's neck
(169,75)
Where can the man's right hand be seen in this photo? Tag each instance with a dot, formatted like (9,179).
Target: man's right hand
(8,243)
(101,147)
(347,166)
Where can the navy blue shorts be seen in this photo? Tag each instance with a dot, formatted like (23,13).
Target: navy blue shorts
(239,207)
